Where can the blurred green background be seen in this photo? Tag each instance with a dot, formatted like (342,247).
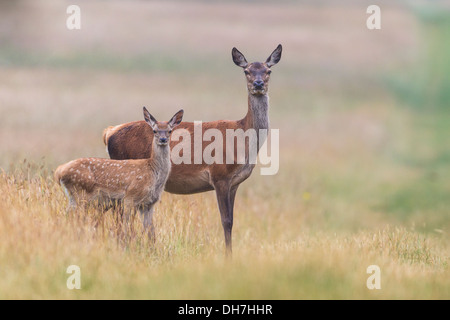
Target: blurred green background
(364,115)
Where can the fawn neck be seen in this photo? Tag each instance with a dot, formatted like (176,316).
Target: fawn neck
(160,160)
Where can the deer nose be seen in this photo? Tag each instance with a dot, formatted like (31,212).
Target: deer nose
(258,84)
(163,140)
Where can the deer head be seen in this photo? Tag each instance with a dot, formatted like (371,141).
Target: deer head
(257,73)
(162,129)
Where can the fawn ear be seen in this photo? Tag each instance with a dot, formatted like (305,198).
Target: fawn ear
(238,58)
(274,57)
(176,119)
(149,119)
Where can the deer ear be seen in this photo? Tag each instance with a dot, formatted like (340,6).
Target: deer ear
(274,57)
(149,118)
(238,58)
(176,119)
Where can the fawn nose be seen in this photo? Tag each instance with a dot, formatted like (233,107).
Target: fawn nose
(163,140)
(258,84)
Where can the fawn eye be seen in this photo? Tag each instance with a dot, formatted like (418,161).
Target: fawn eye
(170,131)
(269,72)
(246,72)
(154,131)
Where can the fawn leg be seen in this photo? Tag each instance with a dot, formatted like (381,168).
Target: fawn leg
(146,212)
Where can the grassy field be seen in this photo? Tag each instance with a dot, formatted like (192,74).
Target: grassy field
(364,123)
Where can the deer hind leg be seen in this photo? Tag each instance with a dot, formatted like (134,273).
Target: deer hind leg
(225,194)
(73,199)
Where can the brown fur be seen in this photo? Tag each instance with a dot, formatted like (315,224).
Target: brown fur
(131,184)
(131,141)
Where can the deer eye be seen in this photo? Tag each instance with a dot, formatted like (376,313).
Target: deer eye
(170,131)
(246,72)
(269,71)
(154,131)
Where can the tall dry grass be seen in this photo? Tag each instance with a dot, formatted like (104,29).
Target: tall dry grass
(186,261)
(362,179)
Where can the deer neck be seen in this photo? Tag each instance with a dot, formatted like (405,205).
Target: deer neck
(159,162)
(257,117)
(258,112)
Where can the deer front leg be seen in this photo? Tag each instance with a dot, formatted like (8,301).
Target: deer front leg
(225,199)
(146,212)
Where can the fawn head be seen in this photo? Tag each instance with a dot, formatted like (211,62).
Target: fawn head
(257,73)
(162,129)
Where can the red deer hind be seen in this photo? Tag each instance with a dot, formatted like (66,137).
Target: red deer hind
(132,140)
